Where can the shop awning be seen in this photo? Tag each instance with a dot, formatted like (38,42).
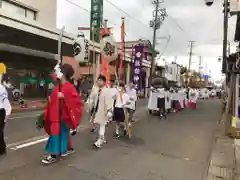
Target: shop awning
(26,51)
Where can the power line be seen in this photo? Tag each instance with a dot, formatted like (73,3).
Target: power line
(166,46)
(176,23)
(75,4)
(127,14)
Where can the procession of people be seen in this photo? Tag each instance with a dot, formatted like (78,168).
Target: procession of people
(116,105)
(165,100)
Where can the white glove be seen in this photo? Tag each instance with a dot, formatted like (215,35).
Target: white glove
(58,71)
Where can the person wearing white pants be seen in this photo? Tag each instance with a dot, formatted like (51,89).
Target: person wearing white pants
(103,105)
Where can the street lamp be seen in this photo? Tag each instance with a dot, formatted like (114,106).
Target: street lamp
(225,29)
(209,2)
(219,59)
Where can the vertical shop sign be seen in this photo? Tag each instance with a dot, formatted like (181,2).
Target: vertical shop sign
(137,66)
(96,19)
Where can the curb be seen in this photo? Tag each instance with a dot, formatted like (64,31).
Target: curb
(27,110)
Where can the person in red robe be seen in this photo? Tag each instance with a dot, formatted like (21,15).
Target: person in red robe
(57,125)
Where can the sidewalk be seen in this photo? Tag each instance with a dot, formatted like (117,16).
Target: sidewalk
(31,105)
(237,155)
(222,163)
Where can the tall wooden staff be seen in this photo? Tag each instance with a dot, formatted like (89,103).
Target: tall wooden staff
(60,63)
(122,45)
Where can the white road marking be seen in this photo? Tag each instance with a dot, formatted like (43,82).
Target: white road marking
(36,140)
(29,144)
(21,117)
(41,139)
(26,141)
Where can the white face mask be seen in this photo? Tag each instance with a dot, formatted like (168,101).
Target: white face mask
(119,89)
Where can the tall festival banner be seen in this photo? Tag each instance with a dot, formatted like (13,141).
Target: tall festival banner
(96,19)
(122,44)
(137,66)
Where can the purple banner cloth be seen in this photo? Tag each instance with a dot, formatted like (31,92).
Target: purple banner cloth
(137,66)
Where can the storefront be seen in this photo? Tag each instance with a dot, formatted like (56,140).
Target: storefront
(30,59)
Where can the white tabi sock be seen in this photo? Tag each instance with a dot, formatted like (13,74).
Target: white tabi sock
(117,129)
(101,131)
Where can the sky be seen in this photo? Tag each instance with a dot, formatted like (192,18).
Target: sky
(188,20)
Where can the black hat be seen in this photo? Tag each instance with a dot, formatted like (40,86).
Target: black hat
(121,84)
(101,77)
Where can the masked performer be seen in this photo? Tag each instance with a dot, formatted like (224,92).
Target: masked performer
(5,111)
(58,127)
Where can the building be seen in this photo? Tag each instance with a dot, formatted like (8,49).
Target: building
(44,12)
(172,72)
(29,43)
(29,46)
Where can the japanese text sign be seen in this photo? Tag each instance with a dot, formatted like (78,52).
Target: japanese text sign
(137,66)
(96,19)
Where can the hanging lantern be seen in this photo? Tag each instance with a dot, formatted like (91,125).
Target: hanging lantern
(3,68)
(108,48)
(81,48)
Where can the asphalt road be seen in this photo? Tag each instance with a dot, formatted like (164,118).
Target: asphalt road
(176,149)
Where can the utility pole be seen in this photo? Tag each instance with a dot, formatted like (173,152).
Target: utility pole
(200,64)
(229,48)
(159,16)
(225,33)
(190,54)
(175,59)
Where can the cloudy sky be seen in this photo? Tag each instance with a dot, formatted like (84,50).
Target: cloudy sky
(187,20)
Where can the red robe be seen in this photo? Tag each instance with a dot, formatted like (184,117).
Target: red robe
(71,109)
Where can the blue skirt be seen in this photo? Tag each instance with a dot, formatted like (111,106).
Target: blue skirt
(54,142)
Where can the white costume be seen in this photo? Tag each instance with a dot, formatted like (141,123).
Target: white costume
(132,93)
(5,111)
(168,100)
(101,102)
(213,92)
(193,95)
(153,98)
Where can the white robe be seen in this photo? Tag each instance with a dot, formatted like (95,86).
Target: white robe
(4,102)
(153,98)
(167,100)
(105,105)
(195,97)
(91,101)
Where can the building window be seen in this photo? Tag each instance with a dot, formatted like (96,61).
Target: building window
(30,14)
(18,10)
